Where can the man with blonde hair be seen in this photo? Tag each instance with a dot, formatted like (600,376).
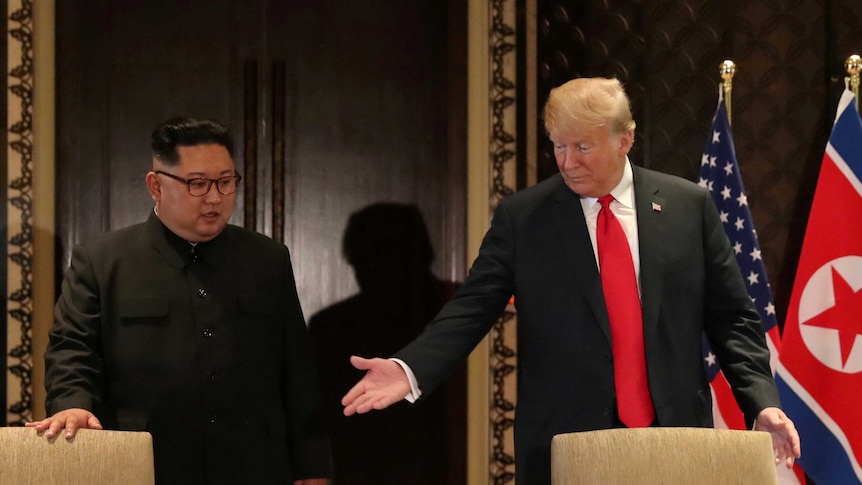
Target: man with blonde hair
(617,272)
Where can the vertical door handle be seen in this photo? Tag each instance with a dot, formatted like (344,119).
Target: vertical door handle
(250,144)
(279,134)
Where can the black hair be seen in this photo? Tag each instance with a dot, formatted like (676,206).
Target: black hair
(187,131)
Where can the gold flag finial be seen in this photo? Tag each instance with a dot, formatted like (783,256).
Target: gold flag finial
(727,69)
(853,65)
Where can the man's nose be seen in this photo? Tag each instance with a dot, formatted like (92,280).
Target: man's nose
(571,159)
(213,196)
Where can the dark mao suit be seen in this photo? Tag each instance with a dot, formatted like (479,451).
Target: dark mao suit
(206,349)
(538,248)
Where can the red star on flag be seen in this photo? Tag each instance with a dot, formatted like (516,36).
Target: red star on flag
(845,315)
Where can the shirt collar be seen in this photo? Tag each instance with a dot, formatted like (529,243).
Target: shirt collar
(624,191)
(178,251)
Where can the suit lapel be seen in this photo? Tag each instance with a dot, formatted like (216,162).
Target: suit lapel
(569,220)
(652,235)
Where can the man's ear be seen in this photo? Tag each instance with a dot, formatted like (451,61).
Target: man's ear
(627,140)
(154,186)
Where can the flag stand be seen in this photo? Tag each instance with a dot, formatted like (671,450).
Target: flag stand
(727,69)
(819,373)
(853,65)
(720,175)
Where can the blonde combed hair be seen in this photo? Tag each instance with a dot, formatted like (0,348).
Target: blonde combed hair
(587,103)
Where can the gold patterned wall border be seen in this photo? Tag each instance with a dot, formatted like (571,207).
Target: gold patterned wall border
(19,318)
(503,358)
(503,378)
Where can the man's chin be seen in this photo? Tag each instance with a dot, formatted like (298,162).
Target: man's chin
(206,232)
(578,186)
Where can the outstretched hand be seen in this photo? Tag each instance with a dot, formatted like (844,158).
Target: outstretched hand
(383,384)
(69,419)
(785,438)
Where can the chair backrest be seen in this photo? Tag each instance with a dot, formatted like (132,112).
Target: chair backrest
(91,457)
(663,456)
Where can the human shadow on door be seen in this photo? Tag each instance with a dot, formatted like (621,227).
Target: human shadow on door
(388,247)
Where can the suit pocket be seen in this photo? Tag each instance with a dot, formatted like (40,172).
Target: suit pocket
(683,282)
(263,448)
(259,304)
(143,310)
(681,265)
(259,334)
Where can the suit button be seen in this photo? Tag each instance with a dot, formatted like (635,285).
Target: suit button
(609,357)
(202,293)
(207,333)
(212,419)
(212,375)
(607,411)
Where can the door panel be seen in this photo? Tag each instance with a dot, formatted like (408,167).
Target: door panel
(334,105)
(341,104)
(122,68)
(366,105)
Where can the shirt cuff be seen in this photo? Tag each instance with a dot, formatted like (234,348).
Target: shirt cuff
(414,393)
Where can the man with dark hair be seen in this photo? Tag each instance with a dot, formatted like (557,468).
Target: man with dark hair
(191,329)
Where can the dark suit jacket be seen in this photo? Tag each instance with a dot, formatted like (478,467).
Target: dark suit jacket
(207,350)
(538,248)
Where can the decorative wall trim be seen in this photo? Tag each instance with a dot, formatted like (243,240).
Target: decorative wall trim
(19,318)
(503,359)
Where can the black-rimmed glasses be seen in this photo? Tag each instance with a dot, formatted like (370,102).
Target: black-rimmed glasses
(200,186)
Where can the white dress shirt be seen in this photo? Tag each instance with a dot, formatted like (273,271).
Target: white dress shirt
(623,208)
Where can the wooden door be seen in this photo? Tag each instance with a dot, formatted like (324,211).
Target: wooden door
(370,106)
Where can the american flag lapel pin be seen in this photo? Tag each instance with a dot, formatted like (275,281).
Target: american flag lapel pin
(656,207)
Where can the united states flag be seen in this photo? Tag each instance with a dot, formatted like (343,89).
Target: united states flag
(819,374)
(719,173)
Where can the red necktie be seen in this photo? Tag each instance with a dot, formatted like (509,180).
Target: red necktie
(624,310)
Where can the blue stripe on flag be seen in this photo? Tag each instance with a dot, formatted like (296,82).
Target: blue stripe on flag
(824,459)
(846,134)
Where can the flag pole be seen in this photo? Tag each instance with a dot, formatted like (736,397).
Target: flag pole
(853,65)
(727,69)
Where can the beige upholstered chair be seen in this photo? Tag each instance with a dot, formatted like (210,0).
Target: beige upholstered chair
(663,456)
(91,457)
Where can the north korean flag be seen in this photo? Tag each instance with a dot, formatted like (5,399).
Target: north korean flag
(820,367)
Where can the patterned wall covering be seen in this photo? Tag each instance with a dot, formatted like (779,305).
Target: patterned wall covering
(503,148)
(789,57)
(18,373)
(4,158)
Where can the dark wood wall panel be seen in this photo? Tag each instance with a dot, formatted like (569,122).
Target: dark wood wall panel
(789,58)
(360,110)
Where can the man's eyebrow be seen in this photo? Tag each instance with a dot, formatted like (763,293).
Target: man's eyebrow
(204,175)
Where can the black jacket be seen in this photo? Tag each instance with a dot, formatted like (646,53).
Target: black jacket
(205,348)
